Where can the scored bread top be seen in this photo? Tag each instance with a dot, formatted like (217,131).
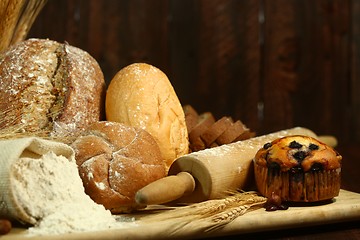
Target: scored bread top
(43,81)
(298,151)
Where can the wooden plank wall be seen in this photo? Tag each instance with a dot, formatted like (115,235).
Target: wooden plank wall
(274,64)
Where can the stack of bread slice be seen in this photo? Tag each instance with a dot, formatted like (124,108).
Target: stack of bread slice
(205,131)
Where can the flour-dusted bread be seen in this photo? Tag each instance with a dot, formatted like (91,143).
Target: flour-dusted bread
(49,86)
(115,161)
(142,96)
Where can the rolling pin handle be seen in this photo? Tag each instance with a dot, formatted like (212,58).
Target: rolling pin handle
(166,189)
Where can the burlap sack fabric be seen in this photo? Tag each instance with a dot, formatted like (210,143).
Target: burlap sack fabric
(11,151)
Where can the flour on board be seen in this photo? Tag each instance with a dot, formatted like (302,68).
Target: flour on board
(51,191)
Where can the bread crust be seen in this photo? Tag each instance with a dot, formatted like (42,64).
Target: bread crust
(115,161)
(45,84)
(142,96)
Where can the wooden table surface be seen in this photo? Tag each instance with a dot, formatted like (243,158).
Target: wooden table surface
(343,230)
(349,229)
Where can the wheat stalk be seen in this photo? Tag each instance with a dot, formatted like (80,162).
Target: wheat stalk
(221,219)
(210,214)
(12,127)
(30,11)
(16,19)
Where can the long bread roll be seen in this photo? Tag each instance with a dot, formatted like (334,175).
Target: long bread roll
(216,171)
(141,95)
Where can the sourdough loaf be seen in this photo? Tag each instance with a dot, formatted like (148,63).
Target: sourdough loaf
(49,86)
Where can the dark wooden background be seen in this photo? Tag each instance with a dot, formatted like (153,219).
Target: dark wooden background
(274,64)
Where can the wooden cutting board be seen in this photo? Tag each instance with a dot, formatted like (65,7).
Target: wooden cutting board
(345,207)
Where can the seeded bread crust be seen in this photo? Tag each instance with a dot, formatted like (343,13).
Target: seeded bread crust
(49,86)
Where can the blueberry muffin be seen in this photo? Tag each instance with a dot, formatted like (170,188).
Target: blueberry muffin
(298,169)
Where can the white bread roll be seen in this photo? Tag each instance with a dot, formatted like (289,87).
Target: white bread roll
(141,95)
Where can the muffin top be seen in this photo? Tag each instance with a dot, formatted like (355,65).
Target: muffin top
(300,152)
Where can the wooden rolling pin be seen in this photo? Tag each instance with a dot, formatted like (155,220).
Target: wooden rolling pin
(213,172)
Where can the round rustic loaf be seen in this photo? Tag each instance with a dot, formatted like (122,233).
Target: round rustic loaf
(115,161)
(142,96)
(49,86)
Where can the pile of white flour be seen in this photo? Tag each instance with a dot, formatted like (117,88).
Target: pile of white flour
(51,191)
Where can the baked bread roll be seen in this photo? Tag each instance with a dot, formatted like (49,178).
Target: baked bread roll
(115,161)
(142,96)
(49,86)
(298,168)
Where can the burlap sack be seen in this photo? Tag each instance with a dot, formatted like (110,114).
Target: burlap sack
(11,151)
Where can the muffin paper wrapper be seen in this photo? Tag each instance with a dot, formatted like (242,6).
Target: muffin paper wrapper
(301,187)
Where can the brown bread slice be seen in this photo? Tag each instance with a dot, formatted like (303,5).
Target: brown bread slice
(245,135)
(215,130)
(205,120)
(234,131)
(191,117)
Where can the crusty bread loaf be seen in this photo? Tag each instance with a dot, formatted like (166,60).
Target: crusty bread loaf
(115,161)
(142,96)
(46,84)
